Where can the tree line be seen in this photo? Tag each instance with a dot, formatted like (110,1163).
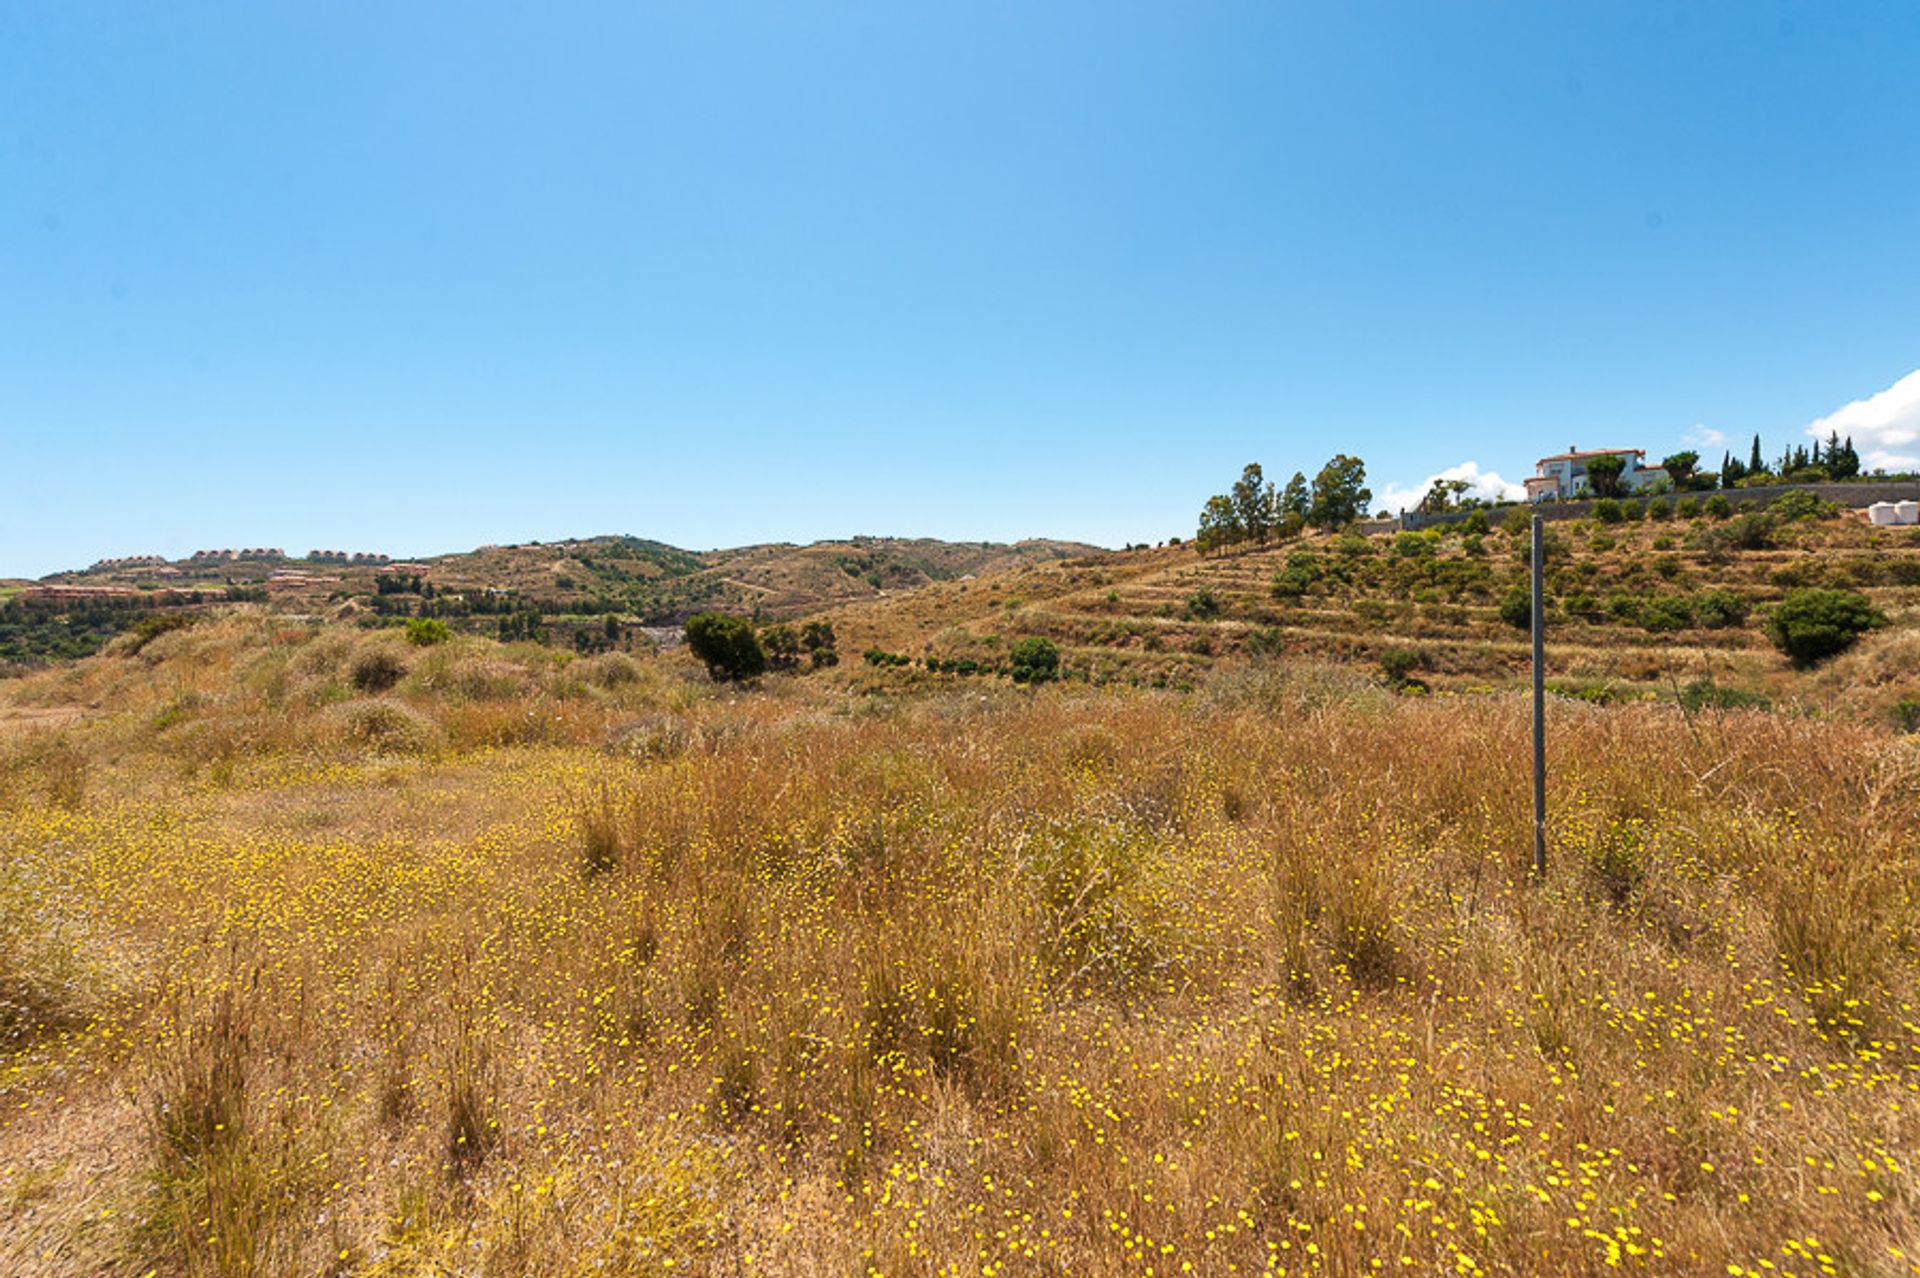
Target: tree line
(1254,510)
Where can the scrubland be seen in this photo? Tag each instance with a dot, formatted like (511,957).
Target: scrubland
(324,955)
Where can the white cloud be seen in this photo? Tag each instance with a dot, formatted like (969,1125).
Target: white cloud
(1485,484)
(1705,436)
(1885,427)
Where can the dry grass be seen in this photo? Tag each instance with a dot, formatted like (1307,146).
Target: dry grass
(1025,982)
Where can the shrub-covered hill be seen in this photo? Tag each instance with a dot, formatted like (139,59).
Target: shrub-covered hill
(659,583)
(1637,607)
(550,590)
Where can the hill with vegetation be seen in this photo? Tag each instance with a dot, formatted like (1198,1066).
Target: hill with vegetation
(585,593)
(1642,602)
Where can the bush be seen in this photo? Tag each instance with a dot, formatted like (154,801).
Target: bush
(1034,660)
(1353,546)
(781,643)
(1631,511)
(1665,613)
(1202,605)
(375,671)
(1608,511)
(147,629)
(427,631)
(1516,608)
(1659,509)
(387,727)
(1796,505)
(1270,642)
(1397,664)
(1474,525)
(1752,531)
(727,646)
(1413,545)
(1688,508)
(1716,507)
(1810,625)
(610,670)
(1719,609)
(1517,524)
(1302,570)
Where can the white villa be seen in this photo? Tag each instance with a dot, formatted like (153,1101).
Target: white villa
(1564,475)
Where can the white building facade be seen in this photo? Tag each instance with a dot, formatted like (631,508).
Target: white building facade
(1564,475)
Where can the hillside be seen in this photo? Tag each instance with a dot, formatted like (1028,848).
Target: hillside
(562,591)
(663,584)
(1634,607)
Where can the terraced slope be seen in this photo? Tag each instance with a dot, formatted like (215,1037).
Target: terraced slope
(1633,607)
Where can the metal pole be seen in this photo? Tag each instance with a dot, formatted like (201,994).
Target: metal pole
(1539,704)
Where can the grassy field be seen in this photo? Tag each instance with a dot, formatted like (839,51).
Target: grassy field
(320,954)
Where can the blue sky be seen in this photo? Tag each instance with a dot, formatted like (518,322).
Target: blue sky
(418,277)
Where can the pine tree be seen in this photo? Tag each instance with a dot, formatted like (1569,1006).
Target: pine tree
(1756,465)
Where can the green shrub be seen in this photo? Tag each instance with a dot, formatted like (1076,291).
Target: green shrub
(1631,511)
(1797,505)
(1518,523)
(1034,660)
(1716,507)
(1353,546)
(1414,545)
(1719,609)
(1687,508)
(427,631)
(1474,525)
(1600,543)
(1270,642)
(1659,509)
(1752,531)
(1608,511)
(782,645)
(147,629)
(1298,577)
(1811,625)
(1665,613)
(726,645)
(1397,664)
(1516,608)
(1203,605)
